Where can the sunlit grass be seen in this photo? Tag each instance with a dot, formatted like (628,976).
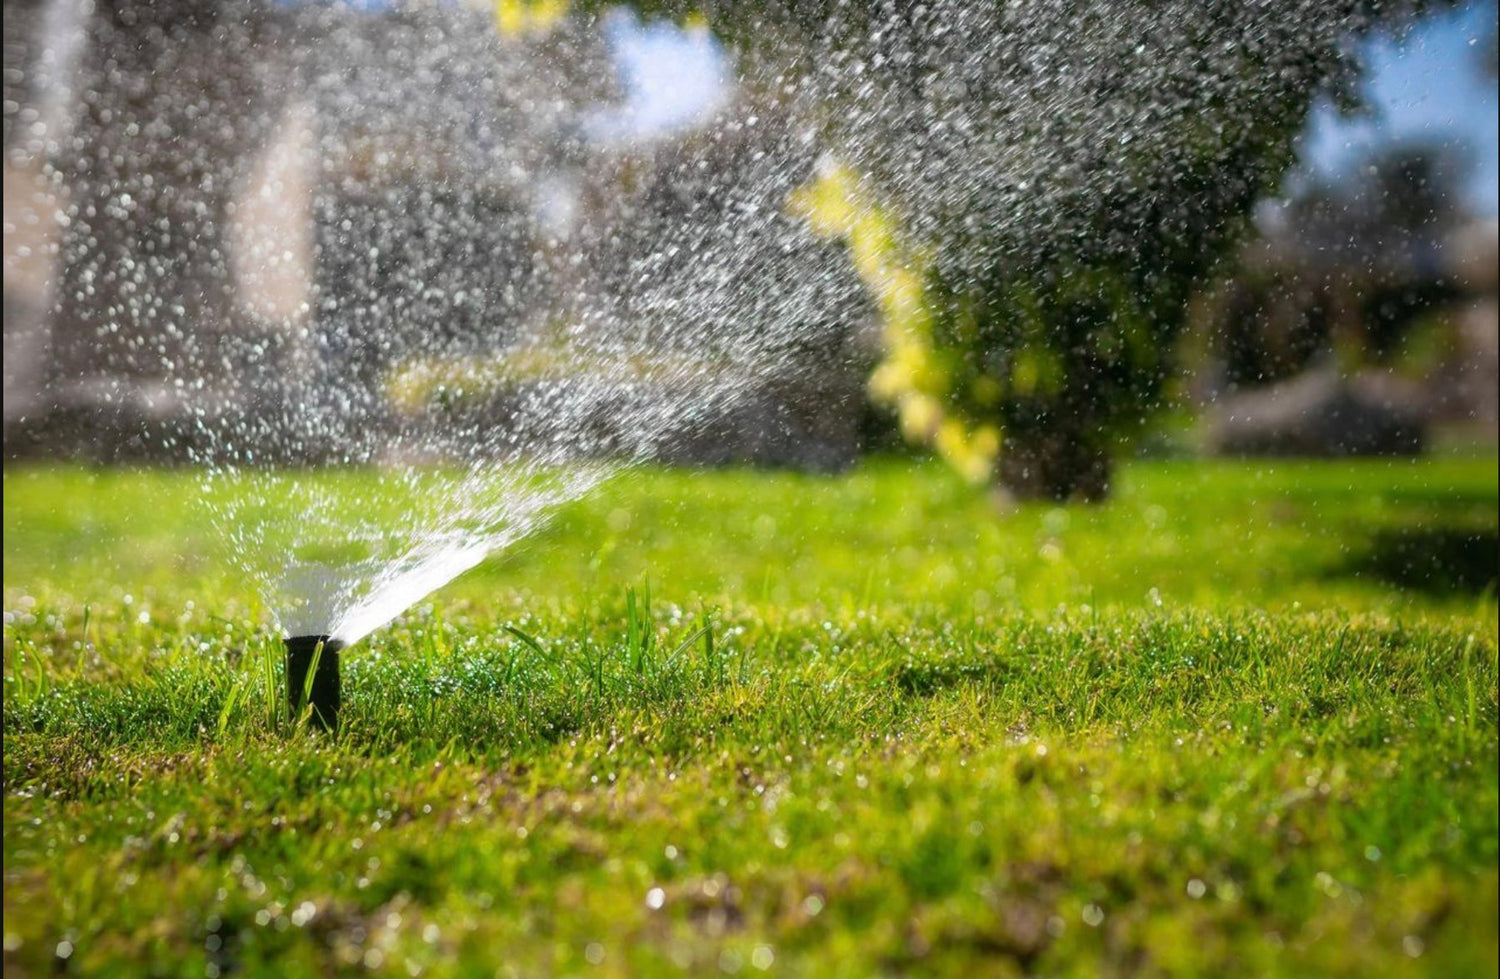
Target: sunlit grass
(1240,719)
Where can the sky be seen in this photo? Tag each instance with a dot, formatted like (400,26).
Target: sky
(672,77)
(1426,86)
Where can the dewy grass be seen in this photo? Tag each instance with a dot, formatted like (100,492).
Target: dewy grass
(859,726)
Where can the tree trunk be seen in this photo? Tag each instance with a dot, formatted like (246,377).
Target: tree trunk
(1056,464)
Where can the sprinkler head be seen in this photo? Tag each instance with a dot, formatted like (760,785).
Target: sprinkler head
(324,695)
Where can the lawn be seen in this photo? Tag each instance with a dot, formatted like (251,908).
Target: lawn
(1240,719)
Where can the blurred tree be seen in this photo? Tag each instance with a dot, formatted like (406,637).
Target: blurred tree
(1346,267)
(1033,191)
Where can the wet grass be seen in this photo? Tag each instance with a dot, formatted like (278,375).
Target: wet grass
(740,722)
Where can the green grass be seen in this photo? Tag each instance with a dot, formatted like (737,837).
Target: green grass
(1241,719)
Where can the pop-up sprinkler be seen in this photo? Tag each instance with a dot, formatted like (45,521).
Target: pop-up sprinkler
(324,695)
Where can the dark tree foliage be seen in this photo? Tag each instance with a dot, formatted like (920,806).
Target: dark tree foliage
(1075,171)
(1350,266)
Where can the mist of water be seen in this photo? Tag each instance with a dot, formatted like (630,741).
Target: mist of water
(412,300)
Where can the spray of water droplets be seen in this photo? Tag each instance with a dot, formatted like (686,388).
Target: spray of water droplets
(401,283)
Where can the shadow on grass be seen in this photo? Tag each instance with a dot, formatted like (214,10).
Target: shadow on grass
(1435,560)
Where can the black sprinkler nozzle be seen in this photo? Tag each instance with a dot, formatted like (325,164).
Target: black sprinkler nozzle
(324,695)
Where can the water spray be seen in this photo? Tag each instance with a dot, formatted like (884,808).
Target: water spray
(320,655)
(470,301)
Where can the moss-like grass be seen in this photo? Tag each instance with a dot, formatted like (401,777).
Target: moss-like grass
(1241,719)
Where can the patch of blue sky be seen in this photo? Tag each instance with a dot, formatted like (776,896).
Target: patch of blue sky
(673,78)
(1428,86)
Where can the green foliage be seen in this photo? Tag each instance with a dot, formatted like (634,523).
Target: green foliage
(1069,359)
(1066,344)
(1341,273)
(857,727)
(1064,183)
